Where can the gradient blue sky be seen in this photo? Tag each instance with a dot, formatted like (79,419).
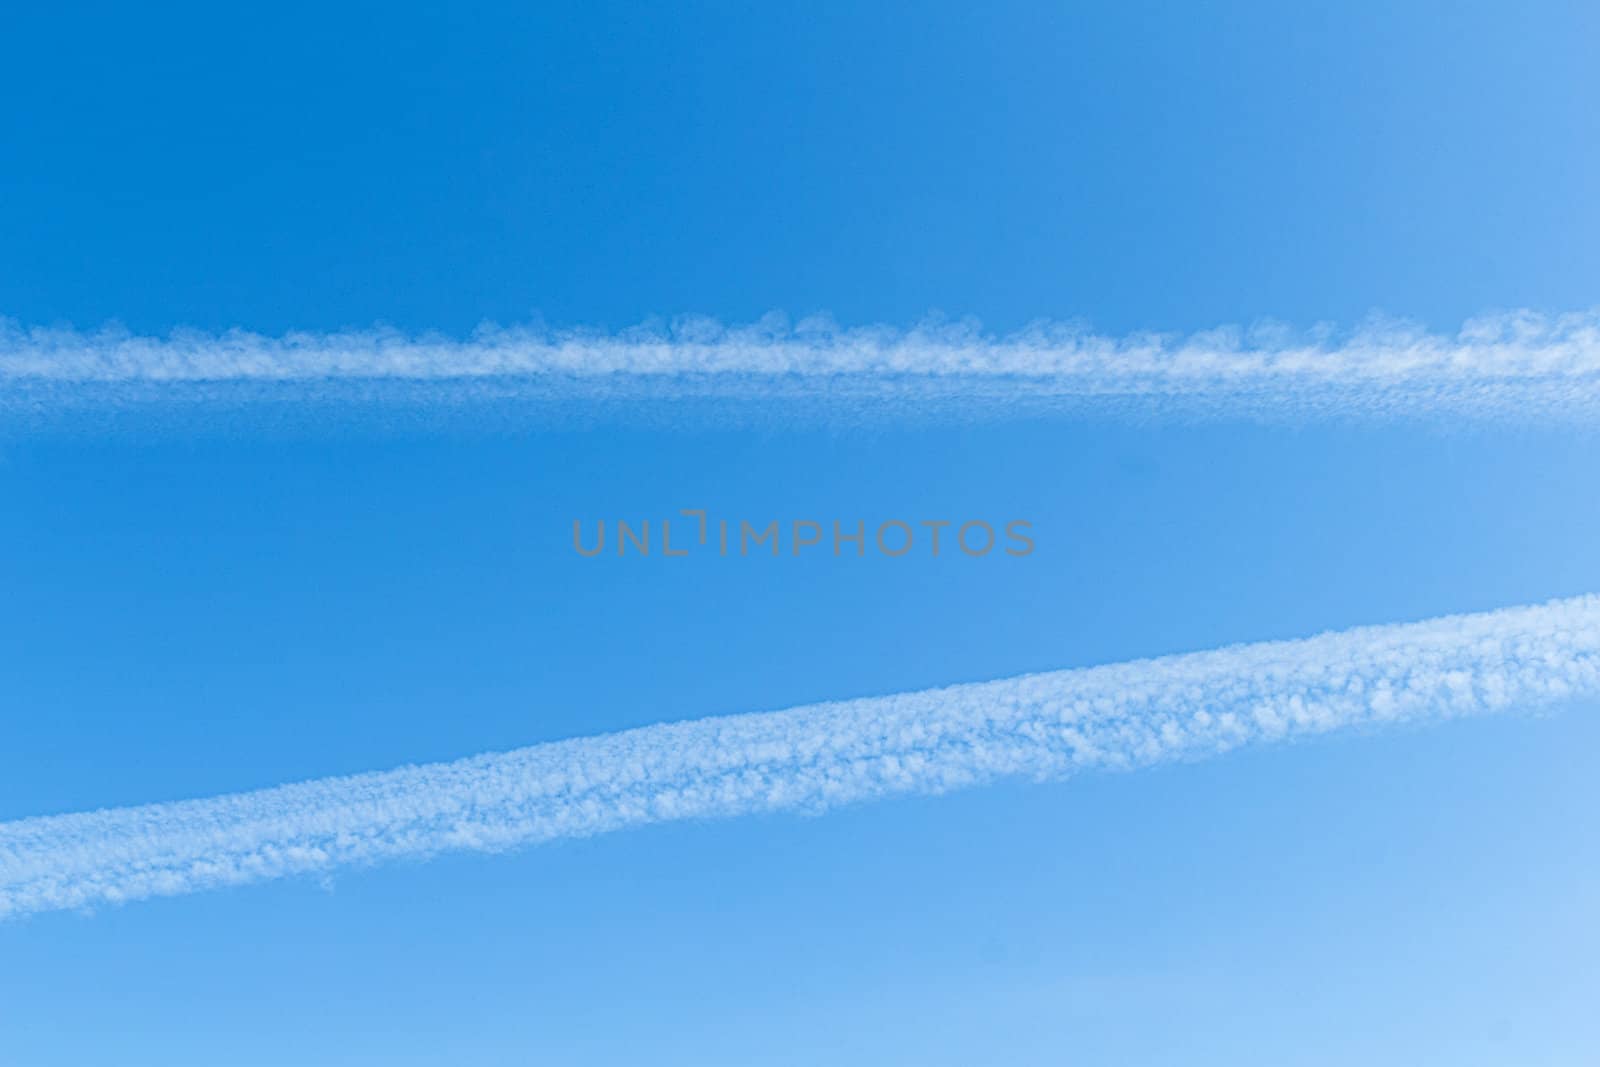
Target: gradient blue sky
(198,606)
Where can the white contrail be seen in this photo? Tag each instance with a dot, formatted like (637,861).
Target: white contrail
(1515,363)
(1040,726)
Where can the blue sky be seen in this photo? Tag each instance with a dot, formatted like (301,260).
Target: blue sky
(196,605)
(1143,165)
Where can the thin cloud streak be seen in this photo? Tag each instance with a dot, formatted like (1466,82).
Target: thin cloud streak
(1513,363)
(810,759)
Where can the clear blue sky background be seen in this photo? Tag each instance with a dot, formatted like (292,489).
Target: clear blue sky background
(198,608)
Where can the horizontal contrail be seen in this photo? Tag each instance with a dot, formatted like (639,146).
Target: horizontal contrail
(1039,726)
(1518,363)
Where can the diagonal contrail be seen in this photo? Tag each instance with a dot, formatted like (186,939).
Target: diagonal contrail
(1040,726)
(1515,364)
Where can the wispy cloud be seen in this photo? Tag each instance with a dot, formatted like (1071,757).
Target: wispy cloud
(1515,363)
(1041,726)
